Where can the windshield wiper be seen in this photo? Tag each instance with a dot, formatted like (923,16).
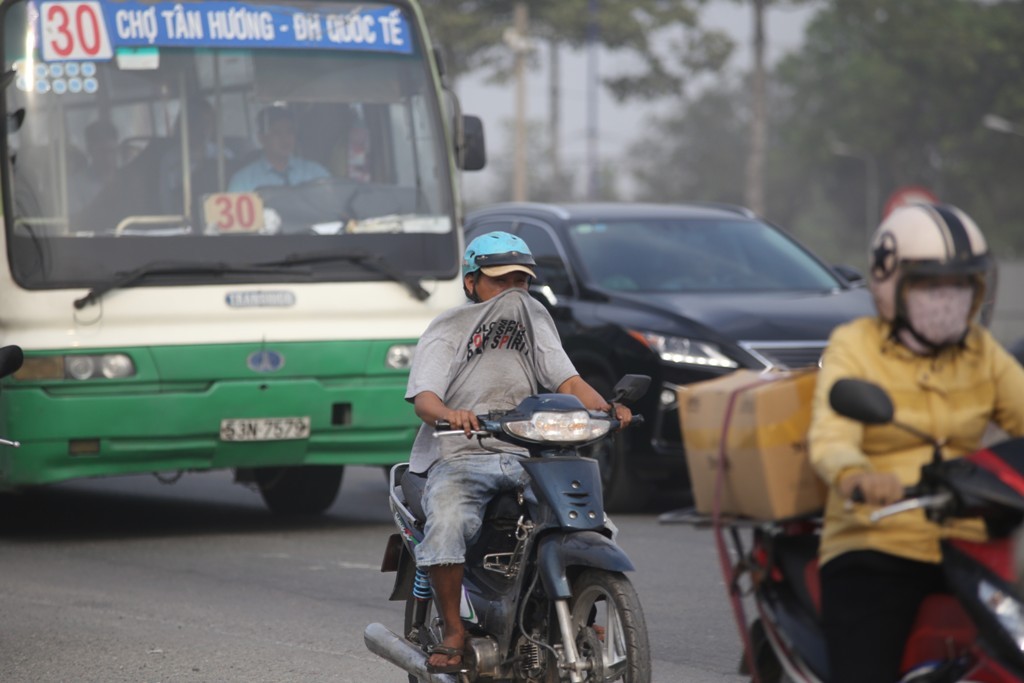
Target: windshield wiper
(133,277)
(369,261)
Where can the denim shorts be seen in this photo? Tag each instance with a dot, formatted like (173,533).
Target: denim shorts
(457,491)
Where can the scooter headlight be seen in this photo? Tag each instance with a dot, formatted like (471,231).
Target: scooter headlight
(1006,608)
(563,427)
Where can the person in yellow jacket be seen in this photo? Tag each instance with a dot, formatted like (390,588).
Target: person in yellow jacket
(948,378)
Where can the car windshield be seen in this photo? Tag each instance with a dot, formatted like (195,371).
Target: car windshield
(240,132)
(695,255)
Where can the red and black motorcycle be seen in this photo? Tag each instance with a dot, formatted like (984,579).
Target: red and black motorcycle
(974,633)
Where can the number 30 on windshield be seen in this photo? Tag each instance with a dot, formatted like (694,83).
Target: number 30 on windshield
(233,212)
(74,31)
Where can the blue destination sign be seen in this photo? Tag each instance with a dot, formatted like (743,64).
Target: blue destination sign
(93,29)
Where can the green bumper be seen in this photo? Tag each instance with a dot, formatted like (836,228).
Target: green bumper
(168,416)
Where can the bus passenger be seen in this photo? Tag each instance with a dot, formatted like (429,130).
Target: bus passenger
(278,165)
(101,148)
(202,151)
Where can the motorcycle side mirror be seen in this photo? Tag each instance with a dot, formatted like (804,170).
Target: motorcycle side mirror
(630,388)
(861,401)
(868,403)
(11,358)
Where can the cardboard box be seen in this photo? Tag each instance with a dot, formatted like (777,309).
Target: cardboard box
(763,418)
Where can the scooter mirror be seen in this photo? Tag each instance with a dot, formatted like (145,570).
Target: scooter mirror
(11,358)
(861,401)
(631,387)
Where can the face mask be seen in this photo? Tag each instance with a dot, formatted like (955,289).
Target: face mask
(938,315)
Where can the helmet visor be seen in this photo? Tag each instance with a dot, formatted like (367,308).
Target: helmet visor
(496,265)
(975,265)
(498,271)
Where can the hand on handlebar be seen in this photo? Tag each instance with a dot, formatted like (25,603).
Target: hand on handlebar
(621,413)
(460,419)
(874,488)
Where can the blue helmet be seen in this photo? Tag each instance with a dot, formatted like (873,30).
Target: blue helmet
(498,253)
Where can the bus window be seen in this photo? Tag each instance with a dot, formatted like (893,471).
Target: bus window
(368,156)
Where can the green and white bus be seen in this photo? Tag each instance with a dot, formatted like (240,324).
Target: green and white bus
(177,319)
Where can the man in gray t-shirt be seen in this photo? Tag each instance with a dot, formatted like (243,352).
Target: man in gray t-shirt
(488,355)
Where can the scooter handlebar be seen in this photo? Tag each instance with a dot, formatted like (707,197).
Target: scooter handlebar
(444,427)
(908,492)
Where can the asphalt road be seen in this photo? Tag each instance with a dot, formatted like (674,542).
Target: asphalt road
(131,580)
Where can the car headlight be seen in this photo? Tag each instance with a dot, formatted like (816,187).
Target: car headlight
(564,427)
(686,351)
(1006,608)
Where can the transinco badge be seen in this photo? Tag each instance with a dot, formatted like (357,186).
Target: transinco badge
(260,299)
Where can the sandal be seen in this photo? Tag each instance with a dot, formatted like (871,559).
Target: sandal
(448,652)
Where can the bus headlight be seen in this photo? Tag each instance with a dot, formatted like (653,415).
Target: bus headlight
(116,366)
(107,365)
(80,367)
(399,356)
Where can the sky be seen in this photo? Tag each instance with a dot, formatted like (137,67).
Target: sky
(617,124)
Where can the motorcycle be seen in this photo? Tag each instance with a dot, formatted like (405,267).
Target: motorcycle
(544,595)
(974,633)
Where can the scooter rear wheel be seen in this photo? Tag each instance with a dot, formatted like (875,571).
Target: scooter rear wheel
(607,603)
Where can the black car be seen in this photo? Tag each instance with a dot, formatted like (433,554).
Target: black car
(681,293)
(1017,349)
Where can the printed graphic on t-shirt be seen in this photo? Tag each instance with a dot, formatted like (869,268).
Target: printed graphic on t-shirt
(498,334)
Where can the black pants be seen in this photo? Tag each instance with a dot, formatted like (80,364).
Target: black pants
(869,601)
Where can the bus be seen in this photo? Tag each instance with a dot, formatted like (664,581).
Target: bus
(225,226)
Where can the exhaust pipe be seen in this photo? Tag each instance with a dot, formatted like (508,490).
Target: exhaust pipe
(400,652)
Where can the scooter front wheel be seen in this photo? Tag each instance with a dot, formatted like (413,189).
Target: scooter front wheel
(607,615)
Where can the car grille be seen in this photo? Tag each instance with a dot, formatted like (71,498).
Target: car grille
(786,355)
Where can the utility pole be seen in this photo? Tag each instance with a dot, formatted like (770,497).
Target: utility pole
(755,158)
(522,19)
(554,116)
(593,172)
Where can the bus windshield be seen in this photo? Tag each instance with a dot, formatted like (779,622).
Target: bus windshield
(227,133)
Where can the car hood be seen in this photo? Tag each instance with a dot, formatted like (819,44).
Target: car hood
(776,316)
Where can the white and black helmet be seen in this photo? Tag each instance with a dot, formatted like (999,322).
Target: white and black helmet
(922,240)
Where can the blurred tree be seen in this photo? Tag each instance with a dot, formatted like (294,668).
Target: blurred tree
(470,35)
(909,84)
(542,185)
(758,124)
(662,38)
(906,84)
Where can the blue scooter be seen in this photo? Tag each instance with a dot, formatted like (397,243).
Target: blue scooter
(544,597)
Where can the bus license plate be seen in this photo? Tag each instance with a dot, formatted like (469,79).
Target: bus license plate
(265,429)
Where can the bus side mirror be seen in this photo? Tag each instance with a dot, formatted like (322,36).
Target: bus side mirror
(473,154)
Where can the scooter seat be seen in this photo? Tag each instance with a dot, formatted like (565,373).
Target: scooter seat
(413,484)
(503,508)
